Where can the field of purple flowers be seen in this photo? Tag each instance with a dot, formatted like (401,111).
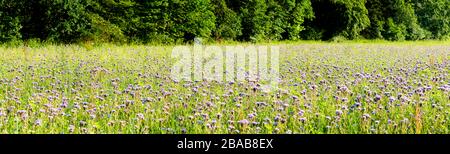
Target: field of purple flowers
(324,88)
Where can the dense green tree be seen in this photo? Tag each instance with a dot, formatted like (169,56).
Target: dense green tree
(345,18)
(355,17)
(273,19)
(228,23)
(434,16)
(393,20)
(299,11)
(10,22)
(193,18)
(111,20)
(287,17)
(153,21)
(177,21)
(255,22)
(174,20)
(65,21)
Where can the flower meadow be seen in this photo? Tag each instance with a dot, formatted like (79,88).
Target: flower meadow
(324,89)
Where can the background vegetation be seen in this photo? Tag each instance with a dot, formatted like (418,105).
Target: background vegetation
(176,21)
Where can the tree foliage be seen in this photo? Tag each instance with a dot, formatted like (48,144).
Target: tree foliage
(10,21)
(434,16)
(177,21)
(228,23)
(394,20)
(65,21)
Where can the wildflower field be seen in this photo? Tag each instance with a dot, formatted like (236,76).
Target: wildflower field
(354,88)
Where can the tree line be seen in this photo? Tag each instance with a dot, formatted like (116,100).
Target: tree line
(177,21)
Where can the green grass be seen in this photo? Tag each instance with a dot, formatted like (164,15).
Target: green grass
(92,84)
